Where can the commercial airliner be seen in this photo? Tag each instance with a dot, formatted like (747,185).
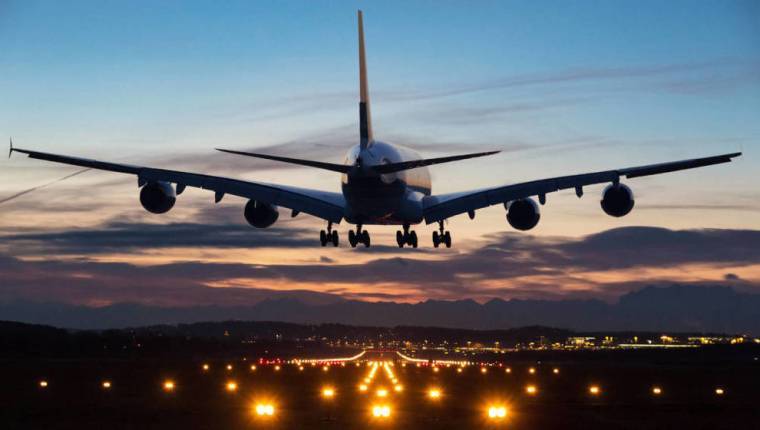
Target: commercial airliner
(381,184)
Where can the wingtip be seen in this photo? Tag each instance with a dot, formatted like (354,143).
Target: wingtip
(10,147)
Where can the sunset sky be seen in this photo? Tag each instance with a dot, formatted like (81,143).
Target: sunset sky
(559,87)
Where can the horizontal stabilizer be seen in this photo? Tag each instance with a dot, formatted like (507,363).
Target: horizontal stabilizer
(406,165)
(340,168)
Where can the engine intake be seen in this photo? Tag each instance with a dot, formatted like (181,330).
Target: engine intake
(523,214)
(617,200)
(259,214)
(158,197)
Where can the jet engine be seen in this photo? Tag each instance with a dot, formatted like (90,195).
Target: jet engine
(259,214)
(617,200)
(523,214)
(158,197)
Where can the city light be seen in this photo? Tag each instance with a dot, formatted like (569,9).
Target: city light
(264,409)
(434,393)
(531,390)
(497,412)
(594,390)
(169,385)
(328,392)
(106,385)
(231,386)
(381,411)
(656,391)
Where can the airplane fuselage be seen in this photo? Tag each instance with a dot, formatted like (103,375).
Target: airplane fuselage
(393,198)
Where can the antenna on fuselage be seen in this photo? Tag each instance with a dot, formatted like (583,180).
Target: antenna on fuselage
(365,120)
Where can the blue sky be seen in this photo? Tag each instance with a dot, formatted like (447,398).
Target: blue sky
(561,87)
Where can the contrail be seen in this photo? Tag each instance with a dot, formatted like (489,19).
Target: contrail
(19,194)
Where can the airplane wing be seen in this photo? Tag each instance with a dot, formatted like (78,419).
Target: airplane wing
(438,208)
(321,204)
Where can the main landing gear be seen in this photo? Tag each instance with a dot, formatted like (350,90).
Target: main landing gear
(406,238)
(441,236)
(329,236)
(360,236)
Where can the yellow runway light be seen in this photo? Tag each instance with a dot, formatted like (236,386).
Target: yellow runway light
(381,411)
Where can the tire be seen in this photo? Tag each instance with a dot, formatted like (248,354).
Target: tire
(400,238)
(365,238)
(447,239)
(322,237)
(413,239)
(436,239)
(335,239)
(352,238)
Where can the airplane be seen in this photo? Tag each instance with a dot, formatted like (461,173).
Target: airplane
(381,184)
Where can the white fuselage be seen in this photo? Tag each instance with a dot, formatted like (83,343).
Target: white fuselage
(394,198)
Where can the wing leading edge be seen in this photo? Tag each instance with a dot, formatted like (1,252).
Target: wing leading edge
(438,208)
(321,204)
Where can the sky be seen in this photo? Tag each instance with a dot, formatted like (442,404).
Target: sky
(558,87)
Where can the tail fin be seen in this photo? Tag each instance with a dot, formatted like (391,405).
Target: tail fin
(365,119)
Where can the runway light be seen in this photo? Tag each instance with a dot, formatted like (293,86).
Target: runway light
(381,411)
(656,391)
(720,391)
(435,369)
(382,392)
(106,385)
(300,368)
(229,367)
(264,409)
(508,370)
(277,368)
(169,385)
(363,387)
(253,367)
(531,390)
(398,388)
(206,367)
(231,386)
(497,412)
(43,384)
(532,370)
(555,371)
(594,390)
(483,370)
(325,368)
(328,392)
(459,370)
(434,394)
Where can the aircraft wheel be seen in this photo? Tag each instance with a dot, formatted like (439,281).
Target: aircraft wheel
(413,239)
(436,239)
(400,238)
(323,237)
(334,238)
(352,239)
(447,239)
(365,238)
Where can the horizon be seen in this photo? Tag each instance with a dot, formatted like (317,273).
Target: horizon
(559,90)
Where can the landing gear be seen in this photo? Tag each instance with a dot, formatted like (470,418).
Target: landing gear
(360,236)
(441,236)
(329,236)
(406,238)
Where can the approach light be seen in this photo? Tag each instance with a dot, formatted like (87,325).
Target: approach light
(435,369)
(434,394)
(264,409)
(656,391)
(229,367)
(231,386)
(555,371)
(497,412)
(594,390)
(206,367)
(508,370)
(398,388)
(720,391)
(300,368)
(483,370)
(532,370)
(253,367)
(328,392)
(459,370)
(382,392)
(381,411)
(325,368)
(43,384)
(531,390)
(277,368)
(106,385)
(363,387)
(169,385)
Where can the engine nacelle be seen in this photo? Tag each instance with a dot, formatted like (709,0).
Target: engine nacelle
(617,200)
(259,214)
(158,197)
(523,214)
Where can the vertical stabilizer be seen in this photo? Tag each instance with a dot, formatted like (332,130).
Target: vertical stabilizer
(365,119)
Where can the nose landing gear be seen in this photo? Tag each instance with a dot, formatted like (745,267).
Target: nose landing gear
(442,236)
(329,236)
(406,238)
(360,236)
